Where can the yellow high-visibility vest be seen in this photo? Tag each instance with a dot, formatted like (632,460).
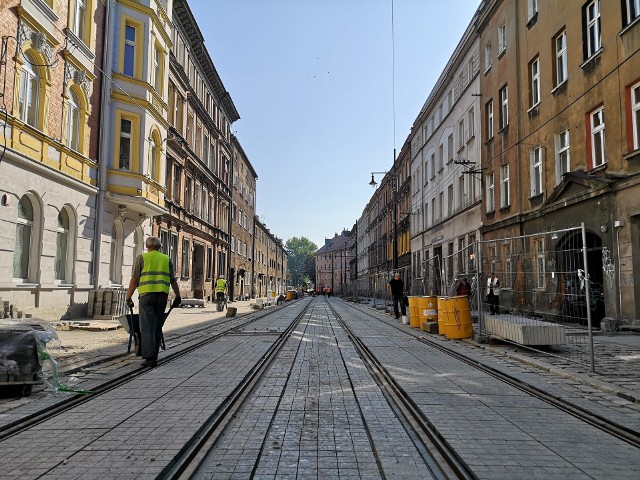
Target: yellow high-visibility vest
(221,284)
(154,276)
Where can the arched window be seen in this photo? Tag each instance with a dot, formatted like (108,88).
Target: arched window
(24,235)
(155,151)
(62,245)
(73,121)
(29,93)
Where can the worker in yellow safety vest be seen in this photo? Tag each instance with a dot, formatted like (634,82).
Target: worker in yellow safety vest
(152,274)
(221,287)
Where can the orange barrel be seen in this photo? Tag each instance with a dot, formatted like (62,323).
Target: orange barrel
(416,321)
(413,308)
(430,311)
(442,315)
(290,295)
(458,323)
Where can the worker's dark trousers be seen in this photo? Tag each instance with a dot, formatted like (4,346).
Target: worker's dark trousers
(152,307)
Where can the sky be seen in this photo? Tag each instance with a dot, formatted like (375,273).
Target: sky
(323,100)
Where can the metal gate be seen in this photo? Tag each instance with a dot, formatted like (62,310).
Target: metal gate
(547,299)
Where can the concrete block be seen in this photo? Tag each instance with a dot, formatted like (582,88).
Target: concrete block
(525,331)
(193,302)
(430,327)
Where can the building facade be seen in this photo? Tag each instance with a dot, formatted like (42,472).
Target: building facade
(445,174)
(332,265)
(49,170)
(567,132)
(195,229)
(242,223)
(269,266)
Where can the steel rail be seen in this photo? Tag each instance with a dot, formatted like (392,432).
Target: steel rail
(615,429)
(28,421)
(192,454)
(440,457)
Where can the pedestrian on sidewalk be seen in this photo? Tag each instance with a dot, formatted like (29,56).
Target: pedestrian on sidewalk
(493,294)
(396,288)
(152,274)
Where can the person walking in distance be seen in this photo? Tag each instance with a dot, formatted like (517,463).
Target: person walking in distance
(493,294)
(221,288)
(396,288)
(152,274)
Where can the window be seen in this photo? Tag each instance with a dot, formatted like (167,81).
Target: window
(489,119)
(73,121)
(535,81)
(196,142)
(80,19)
(157,69)
(196,199)
(440,157)
(187,193)
(177,182)
(24,230)
(462,200)
(440,205)
(491,203)
(539,264)
(630,11)
(129,50)
(471,123)
(504,186)
(190,132)
(154,154)
(597,137)
(209,263)
(433,211)
(502,38)
(124,158)
(173,249)
(561,71)
(433,165)
(62,242)
(450,148)
(450,200)
(592,29)
(29,93)
(635,114)
(461,138)
(536,171)
(532,9)
(205,147)
(562,155)
(186,250)
(488,57)
(504,108)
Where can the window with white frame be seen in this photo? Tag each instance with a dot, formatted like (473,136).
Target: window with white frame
(124,157)
(504,186)
(539,261)
(489,119)
(536,171)
(561,69)
(630,11)
(440,157)
(450,148)
(233,244)
(433,211)
(471,124)
(73,120)
(488,57)
(129,50)
(504,107)
(440,205)
(597,137)
(29,92)
(635,114)
(563,163)
(62,246)
(491,199)
(80,19)
(157,69)
(24,239)
(502,38)
(592,31)
(433,165)
(461,138)
(462,200)
(450,200)
(154,161)
(535,81)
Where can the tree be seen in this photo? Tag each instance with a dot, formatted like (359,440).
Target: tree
(301,260)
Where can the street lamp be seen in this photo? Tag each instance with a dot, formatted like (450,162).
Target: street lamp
(394,189)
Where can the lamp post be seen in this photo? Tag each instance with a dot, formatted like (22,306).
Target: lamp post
(394,189)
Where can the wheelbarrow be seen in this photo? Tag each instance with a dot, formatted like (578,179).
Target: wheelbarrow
(133,328)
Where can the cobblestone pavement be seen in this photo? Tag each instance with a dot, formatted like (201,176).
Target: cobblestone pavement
(317,413)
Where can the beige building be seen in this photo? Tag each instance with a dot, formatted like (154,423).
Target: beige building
(566,130)
(269,263)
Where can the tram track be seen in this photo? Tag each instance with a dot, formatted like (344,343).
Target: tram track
(617,430)
(438,455)
(28,421)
